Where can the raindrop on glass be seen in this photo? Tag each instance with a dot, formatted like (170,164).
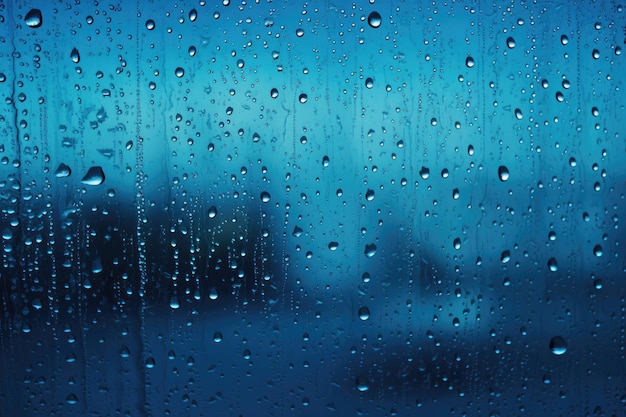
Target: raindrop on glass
(94,176)
(364,313)
(374,20)
(503,173)
(558,345)
(75,56)
(33,18)
(510,42)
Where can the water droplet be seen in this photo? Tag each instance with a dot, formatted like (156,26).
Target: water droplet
(274,93)
(94,176)
(558,345)
(553,265)
(469,62)
(75,56)
(179,72)
(125,351)
(503,173)
(457,243)
(424,173)
(374,20)
(297,231)
(595,54)
(564,40)
(370,250)
(333,245)
(247,354)
(150,24)
(597,250)
(303,98)
(174,304)
(212,212)
(265,197)
(33,18)
(71,399)
(369,195)
(369,83)
(193,15)
(518,114)
(150,363)
(362,384)
(217,337)
(505,257)
(213,293)
(510,42)
(364,313)
(299,32)
(62,171)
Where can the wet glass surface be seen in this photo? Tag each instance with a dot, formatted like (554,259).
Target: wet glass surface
(249,208)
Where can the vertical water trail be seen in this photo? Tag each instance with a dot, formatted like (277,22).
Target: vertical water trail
(140,210)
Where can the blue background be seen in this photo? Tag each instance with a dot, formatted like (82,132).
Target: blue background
(344,247)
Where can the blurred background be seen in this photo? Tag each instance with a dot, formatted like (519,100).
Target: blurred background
(379,208)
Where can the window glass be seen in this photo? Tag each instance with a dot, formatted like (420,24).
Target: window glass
(239,208)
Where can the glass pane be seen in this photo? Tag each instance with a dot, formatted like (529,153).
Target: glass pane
(312,208)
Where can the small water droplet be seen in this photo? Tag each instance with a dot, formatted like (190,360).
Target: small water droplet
(150,24)
(505,257)
(303,98)
(469,62)
(424,173)
(503,173)
(597,250)
(518,114)
(150,363)
(369,82)
(33,18)
(212,212)
(457,243)
(71,399)
(213,295)
(299,32)
(558,345)
(274,93)
(564,40)
(217,337)
(94,176)
(265,197)
(174,304)
(193,15)
(125,351)
(374,20)
(333,245)
(364,313)
(369,195)
(180,72)
(553,265)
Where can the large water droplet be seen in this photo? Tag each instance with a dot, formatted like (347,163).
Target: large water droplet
(213,294)
(193,15)
(71,399)
(469,62)
(503,173)
(374,20)
(94,176)
(62,171)
(180,72)
(333,245)
(364,313)
(361,384)
(265,197)
(553,265)
(174,303)
(33,18)
(212,212)
(75,56)
(370,250)
(150,24)
(558,345)
(510,42)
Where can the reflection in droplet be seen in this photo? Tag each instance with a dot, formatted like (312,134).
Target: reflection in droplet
(369,82)
(553,265)
(179,72)
(469,62)
(370,250)
(150,24)
(265,197)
